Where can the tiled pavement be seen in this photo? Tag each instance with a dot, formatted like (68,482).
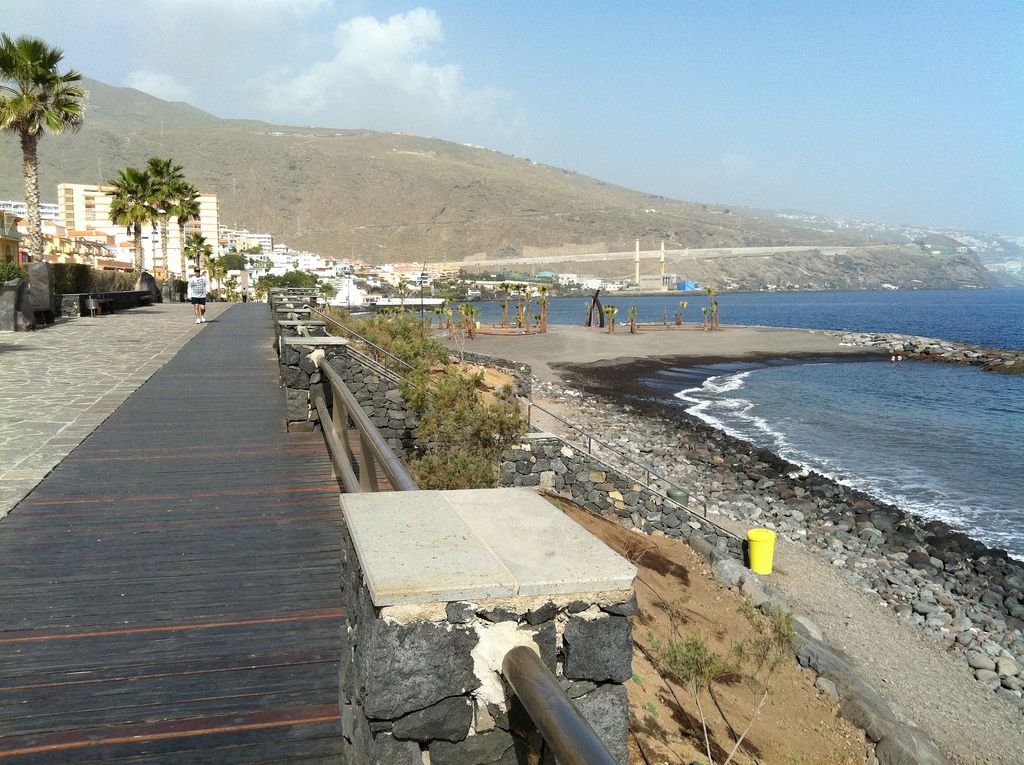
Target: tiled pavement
(59,383)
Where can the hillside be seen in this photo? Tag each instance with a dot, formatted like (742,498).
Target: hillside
(387,197)
(380,196)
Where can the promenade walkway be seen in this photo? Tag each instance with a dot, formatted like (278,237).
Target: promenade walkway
(169,592)
(58,383)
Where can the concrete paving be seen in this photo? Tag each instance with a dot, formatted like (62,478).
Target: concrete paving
(59,383)
(440,546)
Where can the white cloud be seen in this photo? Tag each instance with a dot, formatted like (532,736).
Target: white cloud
(159,84)
(383,75)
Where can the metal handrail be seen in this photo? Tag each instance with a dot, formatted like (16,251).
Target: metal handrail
(565,730)
(359,338)
(374,449)
(648,473)
(530,405)
(591,439)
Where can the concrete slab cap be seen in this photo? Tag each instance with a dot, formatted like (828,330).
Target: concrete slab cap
(296,340)
(302,323)
(439,546)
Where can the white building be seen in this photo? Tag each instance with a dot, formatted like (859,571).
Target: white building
(47,212)
(85,208)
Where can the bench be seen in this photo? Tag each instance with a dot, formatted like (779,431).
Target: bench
(99,306)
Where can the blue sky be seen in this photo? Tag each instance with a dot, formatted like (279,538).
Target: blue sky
(906,112)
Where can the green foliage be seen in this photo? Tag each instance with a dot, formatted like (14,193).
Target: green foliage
(11,270)
(461,438)
(235,261)
(297,279)
(70,278)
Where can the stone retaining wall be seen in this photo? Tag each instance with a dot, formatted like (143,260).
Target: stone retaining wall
(421,679)
(379,395)
(73,304)
(546,461)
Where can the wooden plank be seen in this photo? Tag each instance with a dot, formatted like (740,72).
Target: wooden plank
(171,588)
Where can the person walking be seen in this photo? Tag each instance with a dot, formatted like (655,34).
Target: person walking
(197,287)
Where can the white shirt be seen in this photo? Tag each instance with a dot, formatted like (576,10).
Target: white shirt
(197,287)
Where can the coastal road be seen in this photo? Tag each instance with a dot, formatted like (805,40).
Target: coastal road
(670,254)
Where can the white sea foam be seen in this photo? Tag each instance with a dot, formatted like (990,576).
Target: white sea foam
(734,415)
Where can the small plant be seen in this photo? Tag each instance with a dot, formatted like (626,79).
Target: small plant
(712,292)
(651,708)
(680,312)
(693,664)
(11,270)
(610,311)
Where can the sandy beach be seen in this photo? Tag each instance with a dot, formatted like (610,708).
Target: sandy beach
(552,355)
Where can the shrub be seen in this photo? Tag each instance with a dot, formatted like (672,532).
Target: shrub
(11,270)
(71,278)
(113,281)
(460,437)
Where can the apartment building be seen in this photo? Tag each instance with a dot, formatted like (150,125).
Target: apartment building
(85,208)
(47,212)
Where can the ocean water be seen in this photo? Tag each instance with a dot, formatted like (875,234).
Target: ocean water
(993,318)
(940,440)
(943,441)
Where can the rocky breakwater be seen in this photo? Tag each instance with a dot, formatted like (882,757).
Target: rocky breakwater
(953,588)
(1002,360)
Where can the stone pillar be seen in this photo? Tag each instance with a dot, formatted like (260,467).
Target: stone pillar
(40,278)
(437,587)
(16,314)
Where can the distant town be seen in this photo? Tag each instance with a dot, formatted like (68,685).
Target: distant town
(78,229)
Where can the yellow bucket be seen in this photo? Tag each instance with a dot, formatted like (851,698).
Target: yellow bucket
(761,549)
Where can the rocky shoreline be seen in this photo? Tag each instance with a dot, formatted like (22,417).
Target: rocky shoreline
(953,588)
(1002,360)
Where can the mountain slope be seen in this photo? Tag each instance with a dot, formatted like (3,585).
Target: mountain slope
(378,196)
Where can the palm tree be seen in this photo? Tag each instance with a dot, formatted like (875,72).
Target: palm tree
(327,290)
(448,322)
(165,176)
(403,290)
(184,208)
(682,310)
(131,205)
(632,319)
(543,300)
(506,288)
(704,308)
(610,311)
(218,269)
(527,297)
(35,99)
(712,291)
(197,249)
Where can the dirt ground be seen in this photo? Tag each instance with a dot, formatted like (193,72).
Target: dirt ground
(494,380)
(677,596)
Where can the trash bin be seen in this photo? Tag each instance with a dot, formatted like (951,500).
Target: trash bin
(761,550)
(679,496)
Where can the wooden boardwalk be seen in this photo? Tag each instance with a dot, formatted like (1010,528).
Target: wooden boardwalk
(169,593)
